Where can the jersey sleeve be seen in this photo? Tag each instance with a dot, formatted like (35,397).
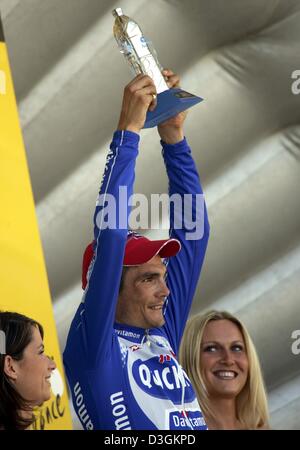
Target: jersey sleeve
(95,316)
(189,224)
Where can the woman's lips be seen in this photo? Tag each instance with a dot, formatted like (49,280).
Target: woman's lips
(225,374)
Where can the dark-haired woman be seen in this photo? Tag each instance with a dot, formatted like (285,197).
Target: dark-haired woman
(25,371)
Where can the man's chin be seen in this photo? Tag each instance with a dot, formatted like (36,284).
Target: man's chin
(158,323)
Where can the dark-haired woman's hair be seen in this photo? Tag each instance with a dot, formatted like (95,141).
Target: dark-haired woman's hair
(18,334)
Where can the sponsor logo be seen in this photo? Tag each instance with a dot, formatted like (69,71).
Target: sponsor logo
(119,411)
(165,381)
(128,334)
(186,420)
(49,414)
(81,408)
(106,172)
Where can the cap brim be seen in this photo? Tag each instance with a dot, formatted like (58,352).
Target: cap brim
(140,252)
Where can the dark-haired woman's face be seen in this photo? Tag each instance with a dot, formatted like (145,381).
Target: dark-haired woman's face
(223,359)
(33,371)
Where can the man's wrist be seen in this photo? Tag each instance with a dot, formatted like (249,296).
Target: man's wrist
(171,136)
(132,128)
(127,125)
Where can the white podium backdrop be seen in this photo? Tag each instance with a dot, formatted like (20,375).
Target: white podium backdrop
(241,57)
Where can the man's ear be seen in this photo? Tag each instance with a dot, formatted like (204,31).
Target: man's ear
(10,367)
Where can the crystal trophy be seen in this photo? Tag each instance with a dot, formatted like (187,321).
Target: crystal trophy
(142,58)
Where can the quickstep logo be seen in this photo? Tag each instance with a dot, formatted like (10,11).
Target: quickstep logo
(163,380)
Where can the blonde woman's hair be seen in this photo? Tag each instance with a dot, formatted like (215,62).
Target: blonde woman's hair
(251,403)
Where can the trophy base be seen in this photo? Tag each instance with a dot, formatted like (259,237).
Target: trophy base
(169,104)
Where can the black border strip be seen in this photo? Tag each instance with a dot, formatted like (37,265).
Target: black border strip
(1,31)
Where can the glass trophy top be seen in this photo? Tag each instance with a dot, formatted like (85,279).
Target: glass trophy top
(117,12)
(142,59)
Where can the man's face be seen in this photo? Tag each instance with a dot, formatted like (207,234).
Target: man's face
(143,294)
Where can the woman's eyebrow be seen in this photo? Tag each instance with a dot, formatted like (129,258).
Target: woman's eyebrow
(216,342)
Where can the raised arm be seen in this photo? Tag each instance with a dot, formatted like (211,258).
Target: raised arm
(95,316)
(188,223)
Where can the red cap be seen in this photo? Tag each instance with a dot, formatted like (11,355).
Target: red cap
(138,250)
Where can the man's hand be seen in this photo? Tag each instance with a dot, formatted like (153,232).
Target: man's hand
(171,131)
(139,96)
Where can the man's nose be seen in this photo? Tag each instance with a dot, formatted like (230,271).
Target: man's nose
(164,290)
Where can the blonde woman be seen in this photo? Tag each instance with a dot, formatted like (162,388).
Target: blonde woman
(220,359)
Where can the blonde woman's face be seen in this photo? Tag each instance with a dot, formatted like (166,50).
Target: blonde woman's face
(223,359)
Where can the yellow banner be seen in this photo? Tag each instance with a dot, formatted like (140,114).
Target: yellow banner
(23,279)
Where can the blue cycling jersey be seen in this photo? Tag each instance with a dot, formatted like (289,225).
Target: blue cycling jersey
(122,377)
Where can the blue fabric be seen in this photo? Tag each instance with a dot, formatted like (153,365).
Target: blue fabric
(125,377)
